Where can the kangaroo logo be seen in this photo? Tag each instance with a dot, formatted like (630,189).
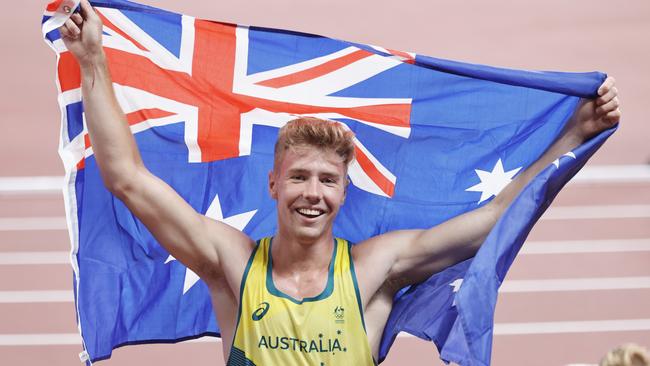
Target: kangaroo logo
(259,313)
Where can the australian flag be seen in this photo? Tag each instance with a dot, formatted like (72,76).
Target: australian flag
(204,100)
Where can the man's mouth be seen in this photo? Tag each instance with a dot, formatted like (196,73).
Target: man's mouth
(310,212)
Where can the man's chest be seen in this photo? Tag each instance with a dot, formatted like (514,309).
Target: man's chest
(301,285)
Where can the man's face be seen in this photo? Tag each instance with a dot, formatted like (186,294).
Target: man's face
(309,185)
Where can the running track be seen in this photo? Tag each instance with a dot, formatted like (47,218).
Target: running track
(580,286)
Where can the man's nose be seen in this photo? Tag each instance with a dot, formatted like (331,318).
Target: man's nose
(313,191)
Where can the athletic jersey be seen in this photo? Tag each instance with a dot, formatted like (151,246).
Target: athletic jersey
(275,329)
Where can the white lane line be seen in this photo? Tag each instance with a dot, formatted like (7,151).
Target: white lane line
(31,184)
(597,212)
(205,339)
(18,297)
(509,286)
(585,246)
(584,326)
(20,258)
(553,213)
(33,223)
(613,174)
(63,339)
(500,329)
(46,339)
(575,284)
(589,174)
(529,248)
(587,326)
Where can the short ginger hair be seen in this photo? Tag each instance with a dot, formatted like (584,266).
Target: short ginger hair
(316,132)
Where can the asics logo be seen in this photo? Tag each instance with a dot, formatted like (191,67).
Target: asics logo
(259,313)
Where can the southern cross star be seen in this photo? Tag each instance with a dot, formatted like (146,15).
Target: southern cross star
(456,286)
(238,221)
(492,182)
(569,154)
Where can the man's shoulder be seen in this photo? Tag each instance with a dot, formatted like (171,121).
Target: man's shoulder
(373,259)
(376,256)
(234,250)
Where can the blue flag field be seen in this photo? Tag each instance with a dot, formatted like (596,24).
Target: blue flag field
(204,100)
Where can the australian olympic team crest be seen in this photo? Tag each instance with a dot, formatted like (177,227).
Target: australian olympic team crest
(339,314)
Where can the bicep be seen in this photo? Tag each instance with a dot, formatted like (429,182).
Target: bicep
(411,256)
(190,237)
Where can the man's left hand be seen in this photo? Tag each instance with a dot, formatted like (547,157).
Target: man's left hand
(596,115)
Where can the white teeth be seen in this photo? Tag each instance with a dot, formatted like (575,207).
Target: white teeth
(310,212)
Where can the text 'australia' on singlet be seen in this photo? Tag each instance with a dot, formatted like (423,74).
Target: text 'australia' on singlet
(275,329)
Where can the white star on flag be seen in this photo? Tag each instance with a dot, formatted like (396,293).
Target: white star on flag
(238,221)
(569,154)
(456,286)
(492,182)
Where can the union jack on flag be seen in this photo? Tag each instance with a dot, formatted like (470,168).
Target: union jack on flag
(204,100)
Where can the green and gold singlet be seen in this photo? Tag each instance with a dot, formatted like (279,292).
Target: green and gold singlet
(276,329)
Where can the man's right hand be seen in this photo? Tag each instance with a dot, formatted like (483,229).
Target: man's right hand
(82,35)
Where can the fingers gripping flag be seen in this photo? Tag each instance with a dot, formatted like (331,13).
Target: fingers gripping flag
(57,12)
(204,101)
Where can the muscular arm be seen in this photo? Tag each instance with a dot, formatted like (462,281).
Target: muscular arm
(411,256)
(193,239)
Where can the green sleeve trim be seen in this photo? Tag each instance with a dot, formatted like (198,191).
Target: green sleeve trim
(241,296)
(248,267)
(353,274)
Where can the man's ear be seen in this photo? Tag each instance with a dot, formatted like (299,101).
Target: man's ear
(345,189)
(272,185)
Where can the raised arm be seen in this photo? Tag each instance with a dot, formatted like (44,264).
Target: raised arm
(193,239)
(411,256)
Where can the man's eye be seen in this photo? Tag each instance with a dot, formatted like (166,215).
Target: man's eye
(298,177)
(328,180)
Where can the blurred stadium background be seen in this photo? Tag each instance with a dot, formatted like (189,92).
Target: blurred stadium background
(582,282)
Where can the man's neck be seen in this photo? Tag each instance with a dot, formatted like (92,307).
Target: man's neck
(293,256)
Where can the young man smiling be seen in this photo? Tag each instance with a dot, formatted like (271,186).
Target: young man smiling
(294,299)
